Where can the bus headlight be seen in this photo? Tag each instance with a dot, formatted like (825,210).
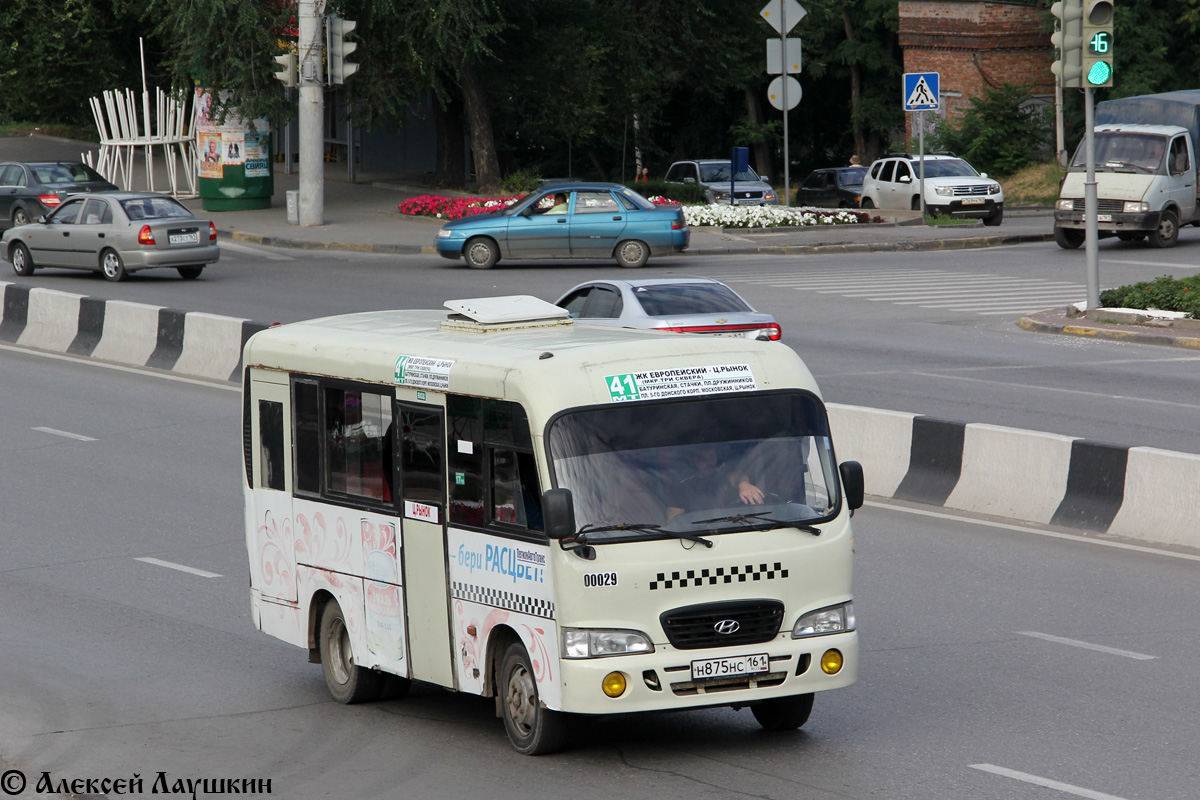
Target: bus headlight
(835,619)
(597,643)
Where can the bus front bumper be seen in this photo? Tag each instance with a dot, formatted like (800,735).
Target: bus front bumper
(662,680)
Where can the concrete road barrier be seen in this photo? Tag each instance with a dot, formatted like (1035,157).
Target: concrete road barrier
(1044,478)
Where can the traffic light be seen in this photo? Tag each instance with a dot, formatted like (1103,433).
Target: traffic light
(1069,41)
(288,73)
(1097,43)
(337,49)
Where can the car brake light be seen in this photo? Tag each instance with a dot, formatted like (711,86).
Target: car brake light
(49,200)
(678,226)
(145,236)
(773,331)
(212,231)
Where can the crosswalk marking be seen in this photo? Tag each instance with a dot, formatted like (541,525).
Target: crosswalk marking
(979,293)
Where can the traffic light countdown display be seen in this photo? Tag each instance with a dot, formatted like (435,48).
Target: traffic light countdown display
(1097,43)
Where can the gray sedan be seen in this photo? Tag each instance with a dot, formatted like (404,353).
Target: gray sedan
(114,233)
(682,305)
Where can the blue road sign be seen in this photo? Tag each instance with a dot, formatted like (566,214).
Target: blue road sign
(921,91)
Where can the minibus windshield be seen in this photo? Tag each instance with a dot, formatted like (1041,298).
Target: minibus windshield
(699,466)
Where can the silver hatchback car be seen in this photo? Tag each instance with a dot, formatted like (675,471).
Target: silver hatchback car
(682,305)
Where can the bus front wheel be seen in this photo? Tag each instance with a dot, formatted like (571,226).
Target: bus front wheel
(533,729)
(347,682)
(783,713)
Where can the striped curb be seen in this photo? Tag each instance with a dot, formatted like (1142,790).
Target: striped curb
(188,343)
(1140,337)
(353,247)
(1044,478)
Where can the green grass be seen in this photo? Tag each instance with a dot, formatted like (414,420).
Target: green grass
(942,219)
(1036,185)
(49,129)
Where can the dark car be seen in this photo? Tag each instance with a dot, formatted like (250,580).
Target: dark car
(32,190)
(834,187)
(568,220)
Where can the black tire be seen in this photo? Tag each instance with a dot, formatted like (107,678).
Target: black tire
(866,202)
(189,273)
(532,729)
(1167,232)
(347,682)
(112,266)
(995,219)
(632,254)
(22,262)
(783,713)
(481,253)
(1068,238)
(20,217)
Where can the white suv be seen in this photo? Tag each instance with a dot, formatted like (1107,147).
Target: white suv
(952,187)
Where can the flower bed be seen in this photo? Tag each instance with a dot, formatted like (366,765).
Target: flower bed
(769,216)
(433,205)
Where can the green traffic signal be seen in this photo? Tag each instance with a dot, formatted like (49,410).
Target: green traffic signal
(1100,73)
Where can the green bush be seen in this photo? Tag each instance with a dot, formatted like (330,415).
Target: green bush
(1001,132)
(522,181)
(1165,294)
(686,193)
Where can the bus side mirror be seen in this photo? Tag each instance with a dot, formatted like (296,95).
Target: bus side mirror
(852,483)
(558,513)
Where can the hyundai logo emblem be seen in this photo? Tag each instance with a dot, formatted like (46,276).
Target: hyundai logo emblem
(727,626)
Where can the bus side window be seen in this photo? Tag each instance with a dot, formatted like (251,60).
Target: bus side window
(355,424)
(270,434)
(493,474)
(464,454)
(306,437)
(421,438)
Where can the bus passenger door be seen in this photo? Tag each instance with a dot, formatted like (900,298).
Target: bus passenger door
(420,473)
(269,534)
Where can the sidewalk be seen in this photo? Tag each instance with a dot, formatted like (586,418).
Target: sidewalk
(364,217)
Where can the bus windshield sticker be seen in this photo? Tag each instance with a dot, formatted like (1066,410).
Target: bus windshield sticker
(423,373)
(657,384)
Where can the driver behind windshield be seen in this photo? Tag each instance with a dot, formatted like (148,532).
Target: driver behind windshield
(711,483)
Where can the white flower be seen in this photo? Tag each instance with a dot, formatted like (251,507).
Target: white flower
(765,216)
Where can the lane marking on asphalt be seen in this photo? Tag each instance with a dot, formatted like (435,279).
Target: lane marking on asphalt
(1137,548)
(1009,384)
(1166,264)
(1078,791)
(120,368)
(257,252)
(171,565)
(78,436)
(1099,648)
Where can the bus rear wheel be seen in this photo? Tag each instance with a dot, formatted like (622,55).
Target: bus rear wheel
(347,682)
(533,729)
(783,713)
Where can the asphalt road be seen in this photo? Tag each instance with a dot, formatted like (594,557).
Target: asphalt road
(997,662)
(924,332)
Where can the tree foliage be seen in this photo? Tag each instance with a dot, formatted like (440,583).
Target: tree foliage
(1000,132)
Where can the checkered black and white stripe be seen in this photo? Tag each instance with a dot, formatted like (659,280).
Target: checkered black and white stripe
(711,577)
(501,599)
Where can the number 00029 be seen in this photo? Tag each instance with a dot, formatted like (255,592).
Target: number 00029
(600,579)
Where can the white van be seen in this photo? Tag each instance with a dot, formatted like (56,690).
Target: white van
(571,519)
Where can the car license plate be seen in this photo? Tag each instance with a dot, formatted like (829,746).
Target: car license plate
(733,334)
(973,201)
(1104,218)
(184,238)
(729,667)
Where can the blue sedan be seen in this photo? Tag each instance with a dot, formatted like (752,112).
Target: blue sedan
(575,220)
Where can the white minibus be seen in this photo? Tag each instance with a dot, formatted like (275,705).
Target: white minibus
(574,520)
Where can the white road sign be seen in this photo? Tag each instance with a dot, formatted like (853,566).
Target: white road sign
(778,13)
(775,92)
(778,61)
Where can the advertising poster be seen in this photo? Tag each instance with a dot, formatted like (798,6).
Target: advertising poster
(210,155)
(232,143)
(255,154)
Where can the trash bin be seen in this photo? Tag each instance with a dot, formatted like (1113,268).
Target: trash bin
(293,206)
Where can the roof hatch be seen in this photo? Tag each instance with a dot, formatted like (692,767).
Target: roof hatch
(504,313)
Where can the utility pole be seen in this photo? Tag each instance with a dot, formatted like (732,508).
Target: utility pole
(311,114)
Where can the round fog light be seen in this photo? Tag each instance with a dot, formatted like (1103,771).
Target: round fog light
(613,684)
(831,662)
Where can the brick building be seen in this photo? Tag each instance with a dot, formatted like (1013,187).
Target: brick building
(974,44)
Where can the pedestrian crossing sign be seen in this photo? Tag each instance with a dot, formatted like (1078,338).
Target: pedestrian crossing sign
(921,91)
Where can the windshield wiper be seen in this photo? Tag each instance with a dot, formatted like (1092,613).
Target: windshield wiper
(758,518)
(640,527)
